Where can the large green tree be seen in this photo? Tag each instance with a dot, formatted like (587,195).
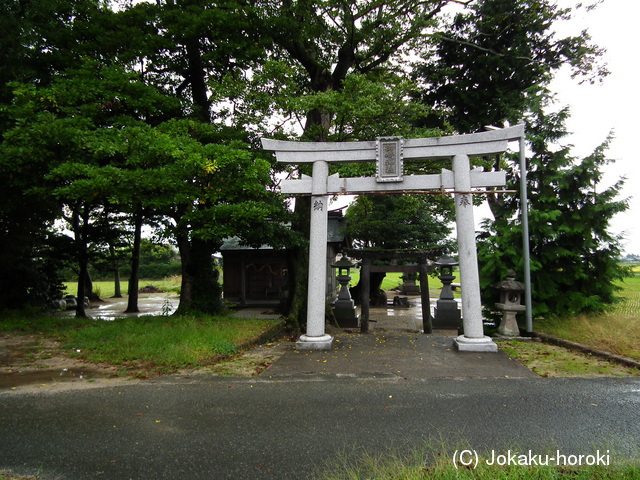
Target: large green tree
(38,41)
(495,57)
(574,256)
(127,155)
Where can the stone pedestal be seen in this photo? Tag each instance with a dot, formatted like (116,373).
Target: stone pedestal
(409,287)
(477,344)
(447,314)
(344,309)
(509,325)
(322,342)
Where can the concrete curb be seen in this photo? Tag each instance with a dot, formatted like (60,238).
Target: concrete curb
(561,342)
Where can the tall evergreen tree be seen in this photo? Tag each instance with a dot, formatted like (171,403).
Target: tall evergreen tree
(574,257)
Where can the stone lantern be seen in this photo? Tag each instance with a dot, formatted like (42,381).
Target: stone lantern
(446,314)
(510,297)
(344,308)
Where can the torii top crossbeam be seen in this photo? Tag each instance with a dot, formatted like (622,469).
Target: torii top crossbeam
(473,144)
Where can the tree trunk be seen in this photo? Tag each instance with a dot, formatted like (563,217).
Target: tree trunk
(80,228)
(377,297)
(89,293)
(132,302)
(197,78)
(117,290)
(496,200)
(116,273)
(200,290)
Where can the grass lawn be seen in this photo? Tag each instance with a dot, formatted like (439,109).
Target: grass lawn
(617,331)
(147,346)
(393,280)
(106,289)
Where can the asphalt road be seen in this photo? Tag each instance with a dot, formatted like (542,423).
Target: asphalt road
(286,427)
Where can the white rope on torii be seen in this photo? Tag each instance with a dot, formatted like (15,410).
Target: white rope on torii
(390,153)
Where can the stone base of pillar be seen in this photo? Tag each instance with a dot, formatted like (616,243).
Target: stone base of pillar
(482,344)
(306,342)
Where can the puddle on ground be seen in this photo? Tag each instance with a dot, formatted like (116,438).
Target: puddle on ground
(163,304)
(48,377)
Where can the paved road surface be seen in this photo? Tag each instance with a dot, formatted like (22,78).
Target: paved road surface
(286,423)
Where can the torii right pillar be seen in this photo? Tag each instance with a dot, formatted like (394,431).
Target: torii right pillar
(473,339)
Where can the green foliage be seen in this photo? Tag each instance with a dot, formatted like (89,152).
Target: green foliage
(366,107)
(573,256)
(391,222)
(500,53)
(99,137)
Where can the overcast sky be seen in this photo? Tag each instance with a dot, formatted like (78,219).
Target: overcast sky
(613,105)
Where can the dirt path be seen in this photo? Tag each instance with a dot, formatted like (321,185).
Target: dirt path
(41,362)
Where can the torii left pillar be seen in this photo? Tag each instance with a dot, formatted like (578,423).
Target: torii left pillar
(316,338)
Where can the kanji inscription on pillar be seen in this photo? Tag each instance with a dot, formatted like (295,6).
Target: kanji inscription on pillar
(464,200)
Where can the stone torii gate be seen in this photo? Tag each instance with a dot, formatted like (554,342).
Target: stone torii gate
(390,153)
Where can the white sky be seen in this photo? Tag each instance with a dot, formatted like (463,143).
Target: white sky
(613,105)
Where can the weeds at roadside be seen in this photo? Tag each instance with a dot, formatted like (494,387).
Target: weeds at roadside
(616,331)
(553,361)
(436,460)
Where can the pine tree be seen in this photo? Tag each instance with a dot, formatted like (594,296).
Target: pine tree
(574,262)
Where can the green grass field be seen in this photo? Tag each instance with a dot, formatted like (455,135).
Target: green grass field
(617,331)
(393,280)
(106,289)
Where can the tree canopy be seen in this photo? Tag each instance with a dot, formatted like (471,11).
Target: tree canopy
(152,112)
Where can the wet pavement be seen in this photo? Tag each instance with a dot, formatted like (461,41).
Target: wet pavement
(288,428)
(392,389)
(394,318)
(48,377)
(398,354)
